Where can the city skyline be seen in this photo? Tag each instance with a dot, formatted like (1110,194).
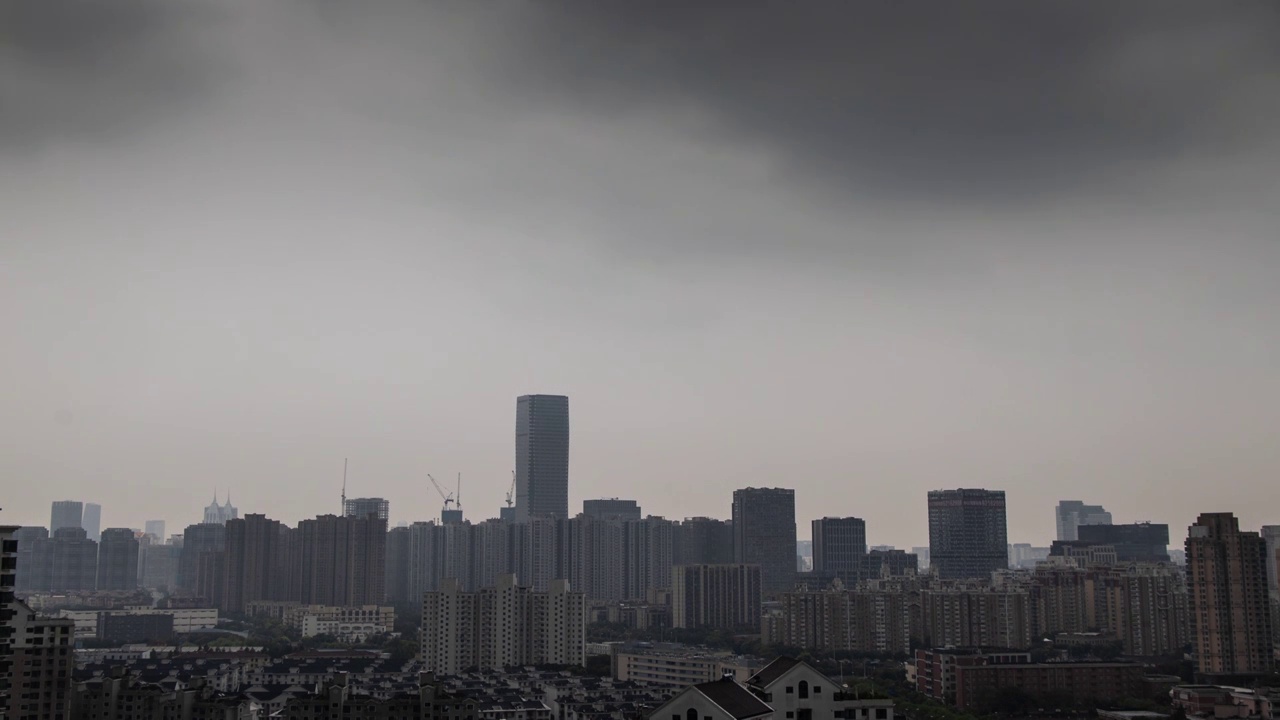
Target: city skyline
(864,251)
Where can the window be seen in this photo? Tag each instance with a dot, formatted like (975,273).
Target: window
(804,689)
(692,714)
(790,689)
(881,714)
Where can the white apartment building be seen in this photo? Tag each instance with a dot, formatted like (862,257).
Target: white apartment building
(185,620)
(502,626)
(351,624)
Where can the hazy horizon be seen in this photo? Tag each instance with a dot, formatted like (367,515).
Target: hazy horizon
(859,250)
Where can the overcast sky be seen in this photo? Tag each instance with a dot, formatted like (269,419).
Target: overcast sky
(863,250)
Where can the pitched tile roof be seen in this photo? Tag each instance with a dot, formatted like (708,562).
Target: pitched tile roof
(773,671)
(733,698)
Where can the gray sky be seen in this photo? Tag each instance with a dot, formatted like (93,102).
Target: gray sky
(863,250)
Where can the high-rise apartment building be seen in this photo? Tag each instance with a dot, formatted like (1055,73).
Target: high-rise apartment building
(74,560)
(1145,607)
(35,557)
(257,565)
(1227,583)
(1271,534)
(359,507)
(342,560)
(36,660)
(155,528)
(716,596)
(764,534)
(503,625)
(397,562)
(1071,514)
(65,513)
(542,456)
(91,521)
(839,544)
(703,541)
(611,509)
(216,514)
(967,533)
(118,560)
(9,557)
(36,657)
(158,567)
(199,541)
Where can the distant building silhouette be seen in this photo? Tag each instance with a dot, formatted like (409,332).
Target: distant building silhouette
(65,513)
(216,514)
(1071,514)
(118,560)
(91,521)
(611,509)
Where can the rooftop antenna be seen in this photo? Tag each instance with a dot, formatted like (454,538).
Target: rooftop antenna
(344,487)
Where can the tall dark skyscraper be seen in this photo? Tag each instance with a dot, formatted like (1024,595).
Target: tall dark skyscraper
(764,534)
(542,456)
(66,513)
(839,544)
(968,535)
(1227,584)
(118,560)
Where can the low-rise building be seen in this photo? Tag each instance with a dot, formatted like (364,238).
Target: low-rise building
(185,620)
(795,690)
(976,679)
(681,668)
(1221,701)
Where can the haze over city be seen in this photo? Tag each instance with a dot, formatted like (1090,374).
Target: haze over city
(862,251)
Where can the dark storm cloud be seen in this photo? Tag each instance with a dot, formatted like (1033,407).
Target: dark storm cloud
(80,69)
(926,97)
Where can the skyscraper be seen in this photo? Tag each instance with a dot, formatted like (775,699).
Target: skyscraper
(66,513)
(359,507)
(118,560)
(155,528)
(1071,514)
(764,534)
(216,514)
(968,535)
(91,521)
(1227,583)
(838,544)
(542,456)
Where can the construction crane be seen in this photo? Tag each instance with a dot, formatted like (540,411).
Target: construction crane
(512,491)
(448,498)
